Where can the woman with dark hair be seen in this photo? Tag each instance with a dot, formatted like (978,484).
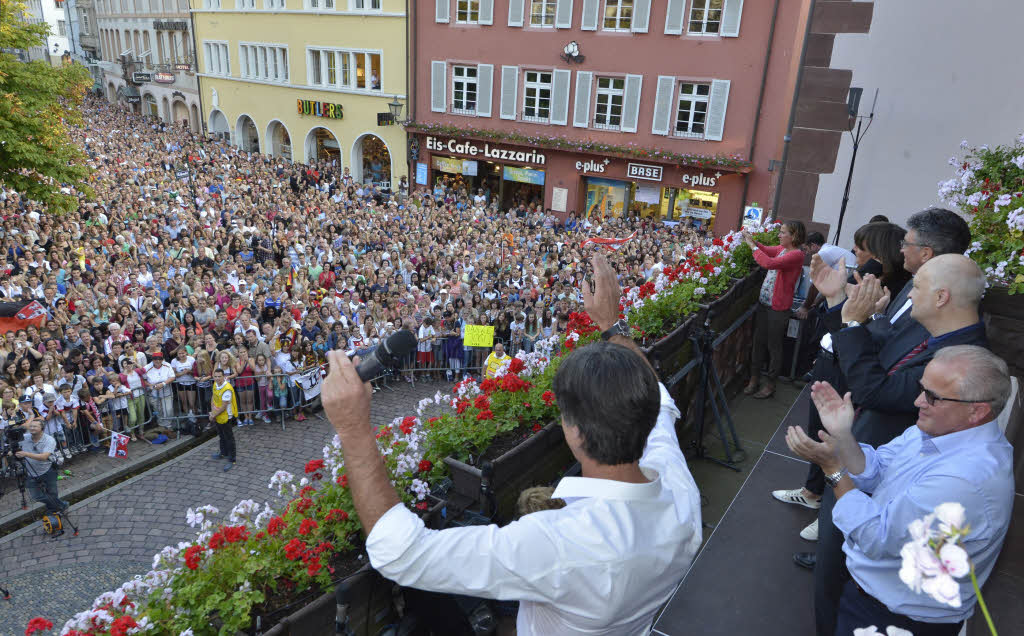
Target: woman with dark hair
(784,263)
(884,242)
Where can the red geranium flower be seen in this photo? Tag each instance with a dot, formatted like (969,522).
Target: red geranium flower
(537,428)
(516,366)
(304,504)
(234,534)
(342,480)
(421,505)
(313,566)
(217,541)
(314,465)
(121,626)
(488,386)
(407,424)
(306,490)
(294,549)
(485,415)
(548,397)
(425,466)
(307,526)
(481,402)
(38,624)
(192,555)
(276,525)
(433,420)
(336,514)
(461,408)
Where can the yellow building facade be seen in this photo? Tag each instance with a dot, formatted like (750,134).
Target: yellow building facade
(307,80)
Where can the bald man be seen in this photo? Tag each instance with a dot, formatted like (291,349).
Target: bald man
(884,374)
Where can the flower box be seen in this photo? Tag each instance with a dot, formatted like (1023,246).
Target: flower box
(1004,324)
(537,461)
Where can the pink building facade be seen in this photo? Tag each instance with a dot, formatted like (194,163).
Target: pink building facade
(672,109)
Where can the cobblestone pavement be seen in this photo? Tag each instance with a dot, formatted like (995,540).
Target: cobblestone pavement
(122,527)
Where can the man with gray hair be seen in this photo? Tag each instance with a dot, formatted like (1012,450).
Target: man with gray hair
(954,464)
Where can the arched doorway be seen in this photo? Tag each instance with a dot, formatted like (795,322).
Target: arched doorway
(279,142)
(246,135)
(371,161)
(219,125)
(322,145)
(179,114)
(111,93)
(149,107)
(166,110)
(194,119)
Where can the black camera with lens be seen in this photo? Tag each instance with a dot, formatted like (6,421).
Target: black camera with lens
(14,434)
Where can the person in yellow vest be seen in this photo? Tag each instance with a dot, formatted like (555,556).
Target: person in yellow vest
(223,413)
(495,359)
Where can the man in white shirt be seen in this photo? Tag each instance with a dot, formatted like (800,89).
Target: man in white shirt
(606,562)
(160,377)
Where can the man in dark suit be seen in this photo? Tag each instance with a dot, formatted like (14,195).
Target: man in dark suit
(883,375)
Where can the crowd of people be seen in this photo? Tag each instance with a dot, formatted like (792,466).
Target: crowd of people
(258,267)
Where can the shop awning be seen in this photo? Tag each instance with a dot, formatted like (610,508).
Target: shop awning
(129,93)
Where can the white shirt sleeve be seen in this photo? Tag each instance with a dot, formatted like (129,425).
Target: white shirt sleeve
(520,561)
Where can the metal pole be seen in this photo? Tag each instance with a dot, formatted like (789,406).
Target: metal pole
(849,181)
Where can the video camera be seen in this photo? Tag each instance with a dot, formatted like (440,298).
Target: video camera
(14,435)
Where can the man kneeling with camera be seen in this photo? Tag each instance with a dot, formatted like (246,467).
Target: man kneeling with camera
(36,449)
(605,562)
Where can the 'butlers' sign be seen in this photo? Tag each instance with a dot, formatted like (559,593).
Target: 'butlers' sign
(485,150)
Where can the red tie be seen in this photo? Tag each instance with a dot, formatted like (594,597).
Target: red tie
(905,359)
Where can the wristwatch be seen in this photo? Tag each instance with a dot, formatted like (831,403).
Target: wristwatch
(851,323)
(833,479)
(620,328)
(877,316)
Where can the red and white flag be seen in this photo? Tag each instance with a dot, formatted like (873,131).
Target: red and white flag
(612,244)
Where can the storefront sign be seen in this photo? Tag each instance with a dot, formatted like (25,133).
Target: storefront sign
(697,213)
(163,78)
(165,25)
(643,171)
(183,66)
(455,166)
(648,194)
(597,167)
(698,180)
(486,151)
(320,109)
(421,173)
(524,175)
(141,78)
(133,99)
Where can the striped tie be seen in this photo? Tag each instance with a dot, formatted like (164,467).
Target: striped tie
(905,359)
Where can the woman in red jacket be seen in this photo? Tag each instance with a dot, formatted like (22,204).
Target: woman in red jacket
(784,263)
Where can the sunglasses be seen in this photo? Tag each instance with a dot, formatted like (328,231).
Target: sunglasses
(932,398)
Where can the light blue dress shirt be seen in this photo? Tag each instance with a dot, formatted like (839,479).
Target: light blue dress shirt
(908,478)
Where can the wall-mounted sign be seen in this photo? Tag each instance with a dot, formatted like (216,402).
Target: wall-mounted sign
(524,175)
(455,166)
(643,171)
(701,179)
(320,109)
(421,173)
(752,215)
(133,99)
(170,25)
(486,151)
(559,199)
(596,167)
(163,78)
(183,66)
(141,78)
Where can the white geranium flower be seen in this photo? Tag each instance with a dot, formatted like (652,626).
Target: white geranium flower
(943,589)
(951,515)
(954,560)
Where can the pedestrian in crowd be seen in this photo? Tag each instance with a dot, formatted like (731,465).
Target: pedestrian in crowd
(159,378)
(224,415)
(495,359)
(36,450)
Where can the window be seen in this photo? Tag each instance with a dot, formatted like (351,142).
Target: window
(316,4)
(344,69)
(608,112)
(618,14)
(537,97)
(85,24)
(464,86)
(211,4)
(216,55)
(274,4)
(366,5)
(691,116)
(62,28)
(468,11)
(246,4)
(705,17)
(264,62)
(542,13)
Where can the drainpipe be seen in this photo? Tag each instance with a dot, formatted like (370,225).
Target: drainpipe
(195,60)
(792,114)
(760,107)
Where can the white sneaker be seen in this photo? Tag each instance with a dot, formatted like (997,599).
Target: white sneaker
(810,532)
(796,496)
(60,459)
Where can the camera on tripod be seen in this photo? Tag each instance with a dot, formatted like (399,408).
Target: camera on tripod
(14,435)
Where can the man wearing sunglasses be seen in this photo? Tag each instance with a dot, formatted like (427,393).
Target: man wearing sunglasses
(955,457)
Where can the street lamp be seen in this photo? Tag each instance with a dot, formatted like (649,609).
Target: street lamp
(395,107)
(853,109)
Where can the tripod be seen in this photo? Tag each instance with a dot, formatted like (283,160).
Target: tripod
(709,387)
(15,468)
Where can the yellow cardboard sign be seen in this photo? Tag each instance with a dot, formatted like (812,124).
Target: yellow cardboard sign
(479,336)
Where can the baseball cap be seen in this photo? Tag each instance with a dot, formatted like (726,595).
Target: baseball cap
(158,354)
(49,397)
(25,399)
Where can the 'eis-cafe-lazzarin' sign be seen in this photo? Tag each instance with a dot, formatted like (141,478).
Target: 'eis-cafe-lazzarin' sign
(486,151)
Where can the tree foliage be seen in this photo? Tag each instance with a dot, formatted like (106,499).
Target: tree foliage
(38,103)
